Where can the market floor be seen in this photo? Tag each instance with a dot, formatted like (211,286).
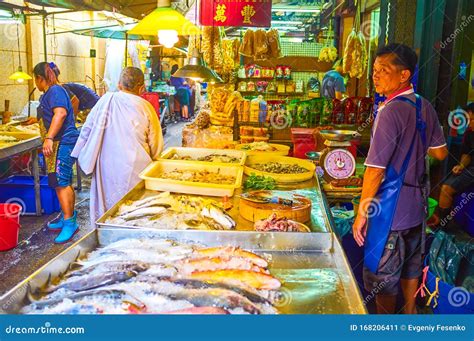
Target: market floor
(36,244)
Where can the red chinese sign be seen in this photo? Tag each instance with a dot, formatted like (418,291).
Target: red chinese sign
(250,13)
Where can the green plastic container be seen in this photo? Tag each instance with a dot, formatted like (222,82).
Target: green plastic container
(432,204)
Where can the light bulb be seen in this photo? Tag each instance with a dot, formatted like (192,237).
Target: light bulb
(168,37)
(20,80)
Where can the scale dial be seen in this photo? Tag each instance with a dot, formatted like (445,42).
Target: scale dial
(339,164)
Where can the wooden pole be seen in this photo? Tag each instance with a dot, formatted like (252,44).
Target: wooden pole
(126,49)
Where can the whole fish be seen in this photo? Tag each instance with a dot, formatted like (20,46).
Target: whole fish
(252,294)
(216,298)
(83,283)
(119,266)
(162,201)
(114,293)
(230,251)
(157,244)
(145,201)
(199,311)
(256,280)
(217,218)
(144,212)
(188,266)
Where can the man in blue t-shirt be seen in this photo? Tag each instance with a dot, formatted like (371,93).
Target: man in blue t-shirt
(333,82)
(86,96)
(391,212)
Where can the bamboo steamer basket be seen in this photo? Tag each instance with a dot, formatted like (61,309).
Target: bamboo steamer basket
(253,211)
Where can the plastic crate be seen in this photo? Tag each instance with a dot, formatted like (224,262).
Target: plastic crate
(20,189)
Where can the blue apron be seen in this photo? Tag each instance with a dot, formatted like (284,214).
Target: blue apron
(380,224)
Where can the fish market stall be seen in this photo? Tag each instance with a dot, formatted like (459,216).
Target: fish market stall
(298,275)
(258,250)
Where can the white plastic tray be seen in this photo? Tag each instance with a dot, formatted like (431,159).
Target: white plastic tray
(196,153)
(152,173)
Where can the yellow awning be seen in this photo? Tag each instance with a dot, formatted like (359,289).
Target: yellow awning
(165,18)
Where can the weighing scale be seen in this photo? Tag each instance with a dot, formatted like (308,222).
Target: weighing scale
(336,161)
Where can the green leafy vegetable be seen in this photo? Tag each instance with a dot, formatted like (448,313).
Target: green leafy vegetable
(259,182)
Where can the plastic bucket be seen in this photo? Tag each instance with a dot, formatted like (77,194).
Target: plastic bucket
(451,300)
(432,204)
(9,226)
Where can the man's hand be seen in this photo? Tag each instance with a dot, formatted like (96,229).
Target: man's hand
(29,121)
(458,169)
(48,147)
(359,229)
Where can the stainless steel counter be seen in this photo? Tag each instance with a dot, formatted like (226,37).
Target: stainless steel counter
(316,275)
(315,279)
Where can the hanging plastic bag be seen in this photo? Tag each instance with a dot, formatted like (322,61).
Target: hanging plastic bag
(452,258)
(343,220)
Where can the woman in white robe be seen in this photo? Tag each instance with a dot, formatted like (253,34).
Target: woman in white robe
(121,136)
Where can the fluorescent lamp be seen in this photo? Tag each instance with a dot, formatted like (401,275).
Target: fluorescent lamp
(290,28)
(284,22)
(5,14)
(296,9)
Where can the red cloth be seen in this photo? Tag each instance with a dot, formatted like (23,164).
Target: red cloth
(154,100)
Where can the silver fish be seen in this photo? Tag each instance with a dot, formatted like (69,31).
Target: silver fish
(112,292)
(252,295)
(144,212)
(119,266)
(93,281)
(147,200)
(217,218)
(159,200)
(216,298)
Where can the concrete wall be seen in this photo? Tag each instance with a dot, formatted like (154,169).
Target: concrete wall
(71,52)
(16,93)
